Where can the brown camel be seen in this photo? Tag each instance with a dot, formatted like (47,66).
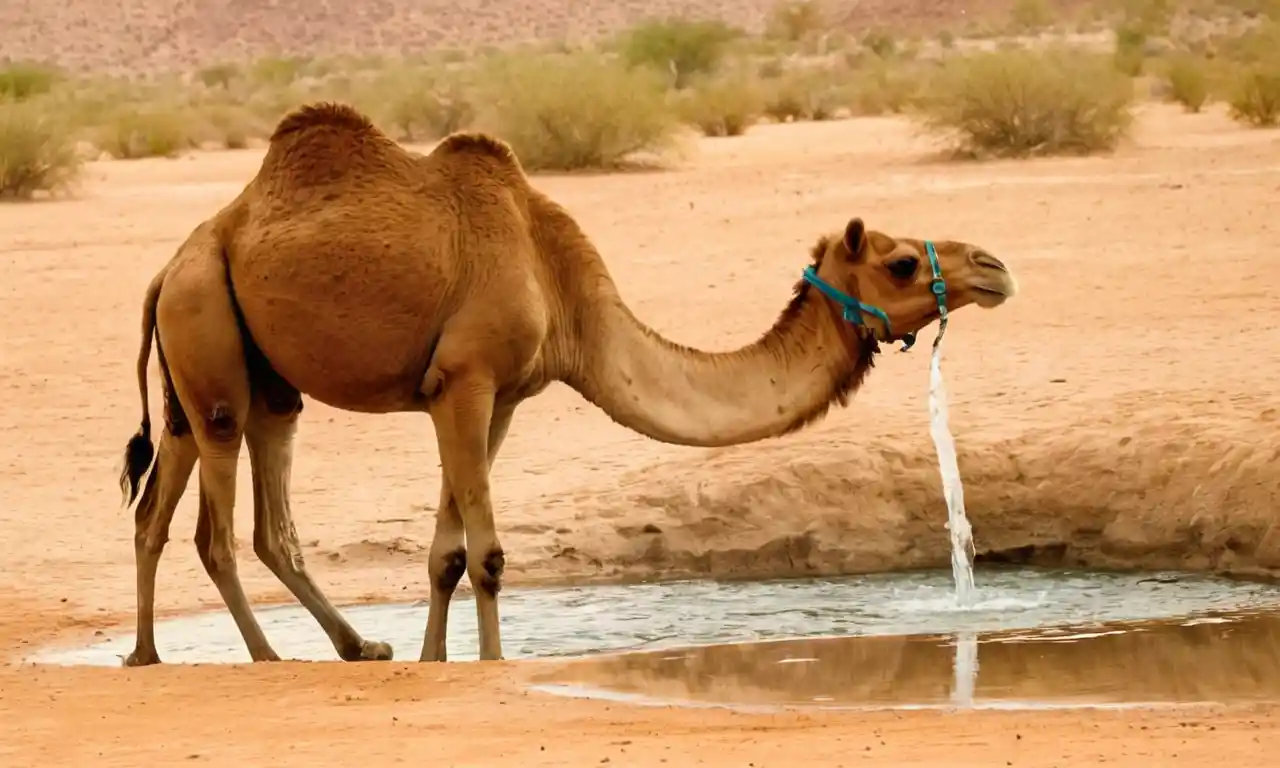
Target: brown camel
(378,280)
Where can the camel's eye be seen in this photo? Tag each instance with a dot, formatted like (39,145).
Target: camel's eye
(904,268)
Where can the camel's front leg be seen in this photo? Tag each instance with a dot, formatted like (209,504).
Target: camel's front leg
(448,558)
(462,414)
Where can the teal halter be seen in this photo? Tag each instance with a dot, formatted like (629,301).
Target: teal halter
(855,309)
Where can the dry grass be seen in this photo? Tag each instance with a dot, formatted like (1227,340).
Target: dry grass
(573,107)
(37,153)
(573,112)
(1023,103)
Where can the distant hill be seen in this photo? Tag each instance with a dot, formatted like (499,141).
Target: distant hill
(142,35)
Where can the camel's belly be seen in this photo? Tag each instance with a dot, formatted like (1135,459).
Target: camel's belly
(354,349)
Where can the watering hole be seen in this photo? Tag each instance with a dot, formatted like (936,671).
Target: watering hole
(566,622)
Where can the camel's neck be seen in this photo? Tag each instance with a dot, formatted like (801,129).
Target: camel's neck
(685,396)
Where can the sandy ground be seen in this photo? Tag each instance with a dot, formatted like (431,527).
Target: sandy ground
(1120,411)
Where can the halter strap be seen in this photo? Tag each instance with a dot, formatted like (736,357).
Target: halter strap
(854,309)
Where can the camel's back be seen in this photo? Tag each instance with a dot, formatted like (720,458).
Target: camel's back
(348,253)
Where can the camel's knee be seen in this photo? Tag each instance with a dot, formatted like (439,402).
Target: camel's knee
(148,541)
(277,553)
(485,568)
(223,425)
(446,570)
(217,552)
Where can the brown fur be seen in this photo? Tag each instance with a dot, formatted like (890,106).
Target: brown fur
(378,280)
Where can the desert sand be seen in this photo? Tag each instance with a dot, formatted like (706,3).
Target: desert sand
(1121,411)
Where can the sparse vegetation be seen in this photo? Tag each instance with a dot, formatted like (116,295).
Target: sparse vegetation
(576,111)
(723,106)
(1024,103)
(579,105)
(1255,96)
(20,81)
(679,48)
(37,153)
(1188,82)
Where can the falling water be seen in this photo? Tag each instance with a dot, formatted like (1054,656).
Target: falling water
(952,489)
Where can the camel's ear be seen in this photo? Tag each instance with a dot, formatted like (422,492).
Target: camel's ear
(855,238)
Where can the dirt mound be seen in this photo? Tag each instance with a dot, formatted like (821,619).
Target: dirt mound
(1195,492)
(185,34)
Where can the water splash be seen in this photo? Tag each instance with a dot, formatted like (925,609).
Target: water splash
(952,488)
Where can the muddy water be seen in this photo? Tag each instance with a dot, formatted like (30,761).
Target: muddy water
(1228,657)
(573,621)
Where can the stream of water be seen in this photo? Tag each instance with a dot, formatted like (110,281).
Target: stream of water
(952,488)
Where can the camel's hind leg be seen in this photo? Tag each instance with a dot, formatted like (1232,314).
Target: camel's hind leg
(200,335)
(175,460)
(273,421)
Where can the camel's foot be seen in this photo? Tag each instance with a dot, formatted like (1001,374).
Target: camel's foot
(141,658)
(370,650)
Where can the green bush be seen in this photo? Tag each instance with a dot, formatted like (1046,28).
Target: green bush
(1021,103)
(20,81)
(1188,82)
(683,49)
(37,153)
(1255,95)
(575,111)
(722,106)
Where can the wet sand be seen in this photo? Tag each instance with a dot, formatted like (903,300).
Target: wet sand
(1119,412)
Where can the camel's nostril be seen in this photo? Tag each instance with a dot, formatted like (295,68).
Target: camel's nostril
(984,259)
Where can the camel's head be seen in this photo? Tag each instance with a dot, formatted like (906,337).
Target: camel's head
(888,284)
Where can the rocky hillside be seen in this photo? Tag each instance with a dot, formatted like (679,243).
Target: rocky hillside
(137,35)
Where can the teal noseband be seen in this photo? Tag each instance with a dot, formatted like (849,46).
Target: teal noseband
(854,310)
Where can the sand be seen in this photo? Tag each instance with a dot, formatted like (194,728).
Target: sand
(1121,411)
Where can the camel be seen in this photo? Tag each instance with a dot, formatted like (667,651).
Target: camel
(377,280)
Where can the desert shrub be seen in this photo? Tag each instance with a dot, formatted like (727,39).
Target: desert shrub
(1020,103)
(1030,15)
(138,132)
(20,81)
(575,111)
(880,43)
(1131,49)
(880,88)
(37,153)
(794,20)
(805,94)
(218,75)
(683,49)
(1254,95)
(722,106)
(418,103)
(278,71)
(1188,82)
(230,126)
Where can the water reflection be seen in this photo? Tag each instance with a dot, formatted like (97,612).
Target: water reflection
(1213,658)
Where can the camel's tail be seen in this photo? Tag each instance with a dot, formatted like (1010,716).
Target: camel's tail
(139,453)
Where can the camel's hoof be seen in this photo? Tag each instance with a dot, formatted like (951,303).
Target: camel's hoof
(373,650)
(140,659)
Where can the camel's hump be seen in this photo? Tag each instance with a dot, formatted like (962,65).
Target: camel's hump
(323,115)
(478,143)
